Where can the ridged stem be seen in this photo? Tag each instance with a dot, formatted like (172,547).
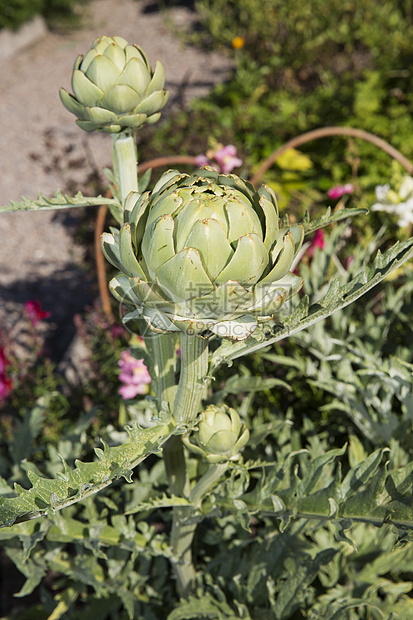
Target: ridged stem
(188,402)
(126,163)
(194,370)
(183,530)
(161,348)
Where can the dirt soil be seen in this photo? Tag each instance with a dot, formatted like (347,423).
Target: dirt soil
(41,149)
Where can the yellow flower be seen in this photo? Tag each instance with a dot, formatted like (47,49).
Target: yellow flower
(238,43)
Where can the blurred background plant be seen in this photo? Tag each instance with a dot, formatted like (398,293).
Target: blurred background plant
(299,67)
(14,13)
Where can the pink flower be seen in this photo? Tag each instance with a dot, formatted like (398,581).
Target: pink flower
(201,160)
(317,242)
(224,156)
(134,375)
(4,361)
(338,191)
(117,331)
(35,312)
(6,384)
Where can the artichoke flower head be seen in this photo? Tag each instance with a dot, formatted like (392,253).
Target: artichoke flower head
(114,87)
(221,435)
(203,253)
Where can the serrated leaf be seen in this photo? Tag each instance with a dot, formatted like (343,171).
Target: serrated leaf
(165,501)
(330,218)
(59,201)
(293,589)
(47,495)
(336,298)
(369,492)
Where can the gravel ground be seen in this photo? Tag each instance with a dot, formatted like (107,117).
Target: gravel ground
(41,148)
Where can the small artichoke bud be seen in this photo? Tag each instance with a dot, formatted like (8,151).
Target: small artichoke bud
(221,435)
(204,253)
(114,87)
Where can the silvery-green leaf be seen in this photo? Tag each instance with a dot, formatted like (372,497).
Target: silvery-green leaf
(297,233)
(151,104)
(134,51)
(135,75)
(102,72)
(158,321)
(283,262)
(271,222)
(129,262)
(120,98)
(306,315)
(158,244)
(99,115)
(193,211)
(85,92)
(130,202)
(46,495)
(92,126)
(133,120)
(84,62)
(211,242)
(153,118)
(148,297)
(71,103)
(235,329)
(183,276)
(110,249)
(228,299)
(158,79)
(249,261)
(166,206)
(59,201)
(268,303)
(243,220)
(116,54)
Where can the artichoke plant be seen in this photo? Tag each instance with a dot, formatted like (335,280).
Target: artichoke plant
(221,435)
(203,252)
(114,87)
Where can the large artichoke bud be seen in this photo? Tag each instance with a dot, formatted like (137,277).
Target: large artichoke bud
(221,435)
(114,87)
(203,252)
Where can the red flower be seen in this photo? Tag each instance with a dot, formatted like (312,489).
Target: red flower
(35,312)
(317,242)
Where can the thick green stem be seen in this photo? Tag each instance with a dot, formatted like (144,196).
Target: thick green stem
(208,480)
(126,163)
(187,404)
(194,370)
(183,530)
(162,349)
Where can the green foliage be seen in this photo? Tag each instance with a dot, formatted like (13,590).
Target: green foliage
(304,315)
(301,68)
(14,13)
(87,478)
(317,521)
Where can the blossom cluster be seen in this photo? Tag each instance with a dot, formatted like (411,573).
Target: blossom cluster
(6,384)
(34,315)
(399,202)
(222,158)
(134,375)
